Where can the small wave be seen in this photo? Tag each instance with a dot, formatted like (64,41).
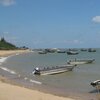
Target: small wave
(2,59)
(37,82)
(17,54)
(25,78)
(8,70)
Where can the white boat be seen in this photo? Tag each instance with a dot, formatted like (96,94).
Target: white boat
(53,70)
(76,61)
(95,83)
(72,53)
(42,52)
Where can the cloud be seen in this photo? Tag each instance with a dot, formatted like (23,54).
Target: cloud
(96,19)
(7,2)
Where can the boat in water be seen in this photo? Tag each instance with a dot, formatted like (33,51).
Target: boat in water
(91,50)
(42,52)
(83,49)
(72,52)
(95,83)
(61,51)
(53,70)
(77,61)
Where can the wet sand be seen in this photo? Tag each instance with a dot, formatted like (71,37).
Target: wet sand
(14,92)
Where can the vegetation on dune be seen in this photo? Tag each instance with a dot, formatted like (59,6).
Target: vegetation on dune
(4,45)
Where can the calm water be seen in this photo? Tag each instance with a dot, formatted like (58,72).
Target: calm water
(77,80)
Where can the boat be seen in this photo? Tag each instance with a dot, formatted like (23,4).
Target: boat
(42,52)
(95,83)
(72,52)
(53,70)
(61,51)
(77,61)
(91,50)
(83,49)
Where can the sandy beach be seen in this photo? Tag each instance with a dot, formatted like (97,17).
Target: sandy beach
(10,91)
(5,53)
(13,92)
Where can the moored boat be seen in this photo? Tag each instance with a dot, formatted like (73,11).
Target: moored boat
(76,61)
(91,50)
(83,49)
(72,52)
(42,52)
(53,70)
(95,83)
(61,51)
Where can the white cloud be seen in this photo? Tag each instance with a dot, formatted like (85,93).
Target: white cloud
(7,2)
(96,19)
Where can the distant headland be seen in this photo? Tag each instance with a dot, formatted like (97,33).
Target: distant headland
(4,45)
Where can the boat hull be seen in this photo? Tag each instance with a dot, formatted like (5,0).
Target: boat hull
(58,71)
(53,70)
(72,53)
(80,62)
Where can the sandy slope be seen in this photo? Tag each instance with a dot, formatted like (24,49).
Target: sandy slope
(12,92)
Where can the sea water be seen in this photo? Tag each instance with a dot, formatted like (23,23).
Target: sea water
(77,80)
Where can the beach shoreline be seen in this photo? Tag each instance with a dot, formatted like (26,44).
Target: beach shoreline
(9,88)
(6,53)
(15,92)
(51,91)
(7,85)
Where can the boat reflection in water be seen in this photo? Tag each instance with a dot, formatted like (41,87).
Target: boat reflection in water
(53,70)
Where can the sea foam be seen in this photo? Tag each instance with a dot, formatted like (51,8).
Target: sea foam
(8,70)
(37,82)
(2,59)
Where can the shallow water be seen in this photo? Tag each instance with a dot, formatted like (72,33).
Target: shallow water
(77,80)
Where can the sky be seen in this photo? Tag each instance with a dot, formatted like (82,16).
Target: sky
(51,23)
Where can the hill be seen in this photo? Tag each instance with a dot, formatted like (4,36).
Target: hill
(4,45)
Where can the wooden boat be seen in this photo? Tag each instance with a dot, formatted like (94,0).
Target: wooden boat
(83,49)
(53,70)
(42,52)
(61,51)
(80,61)
(72,52)
(95,83)
(91,50)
